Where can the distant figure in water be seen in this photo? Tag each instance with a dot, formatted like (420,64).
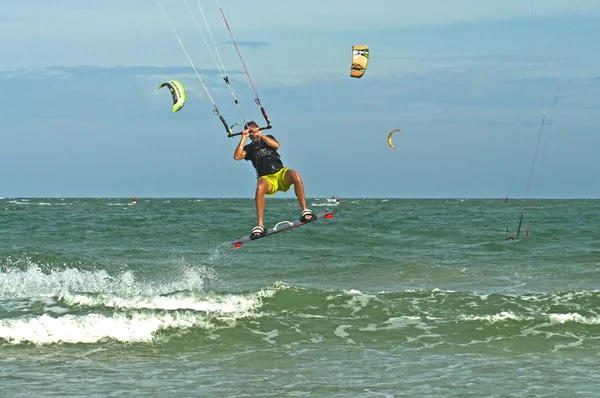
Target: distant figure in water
(337,201)
(134,201)
(508,237)
(506,199)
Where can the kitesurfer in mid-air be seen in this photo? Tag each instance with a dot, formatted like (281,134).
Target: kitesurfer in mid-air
(272,176)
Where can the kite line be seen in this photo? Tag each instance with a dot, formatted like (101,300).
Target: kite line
(220,66)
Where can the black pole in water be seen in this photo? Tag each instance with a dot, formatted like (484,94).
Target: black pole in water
(519,229)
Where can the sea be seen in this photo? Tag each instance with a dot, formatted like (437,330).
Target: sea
(389,298)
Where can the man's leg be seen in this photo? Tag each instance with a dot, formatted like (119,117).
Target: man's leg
(292,177)
(262,186)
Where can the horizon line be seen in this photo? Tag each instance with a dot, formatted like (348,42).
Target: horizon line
(294,198)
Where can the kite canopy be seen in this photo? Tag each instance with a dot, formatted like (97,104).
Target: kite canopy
(178,93)
(360,59)
(389,139)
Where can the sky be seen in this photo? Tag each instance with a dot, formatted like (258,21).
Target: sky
(496,98)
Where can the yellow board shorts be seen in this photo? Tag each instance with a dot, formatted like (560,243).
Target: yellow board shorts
(277,181)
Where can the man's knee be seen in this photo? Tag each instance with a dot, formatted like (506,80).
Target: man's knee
(292,176)
(263,186)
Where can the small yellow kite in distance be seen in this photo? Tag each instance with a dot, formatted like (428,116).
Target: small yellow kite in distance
(389,140)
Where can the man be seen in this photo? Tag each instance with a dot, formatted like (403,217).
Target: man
(272,176)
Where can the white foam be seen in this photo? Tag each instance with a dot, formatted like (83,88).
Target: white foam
(340,331)
(16,283)
(230,304)
(574,317)
(553,319)
(399,322)
(91,328)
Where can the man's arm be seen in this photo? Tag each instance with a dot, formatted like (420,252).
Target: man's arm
(270,141)
(239,152)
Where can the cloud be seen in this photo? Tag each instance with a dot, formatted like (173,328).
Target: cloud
(90,71)
(465,89)
(251,44)
(144,17)
(122,93)
(382,14)
(476,81)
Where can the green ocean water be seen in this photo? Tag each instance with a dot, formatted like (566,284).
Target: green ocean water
(398,297)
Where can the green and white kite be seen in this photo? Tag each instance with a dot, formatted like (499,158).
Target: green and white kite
(178,93)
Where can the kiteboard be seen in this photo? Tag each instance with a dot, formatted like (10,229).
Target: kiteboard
(280,227)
